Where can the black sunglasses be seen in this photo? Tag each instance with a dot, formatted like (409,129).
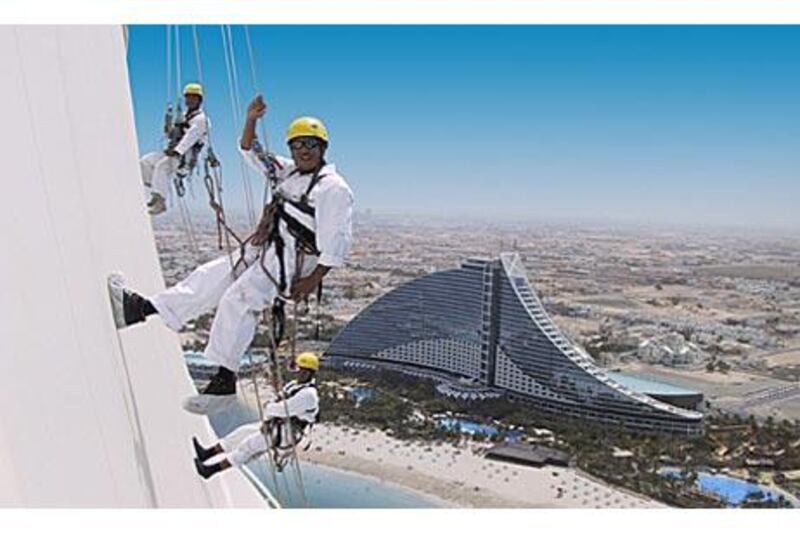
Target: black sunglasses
(308,142)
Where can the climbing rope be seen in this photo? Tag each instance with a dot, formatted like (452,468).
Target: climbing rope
(186,220)
(213,184)
(267,197)
(178,76)
(254,81)
(236,112)
(198,63)
(270,319)
(212,181)
(168,92)
(179,186)
(278,385)
(168,76)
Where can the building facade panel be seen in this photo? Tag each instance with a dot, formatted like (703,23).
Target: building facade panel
(454,356)
(443,305)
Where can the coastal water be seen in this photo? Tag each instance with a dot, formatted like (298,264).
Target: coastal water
(323,487)
(330,488)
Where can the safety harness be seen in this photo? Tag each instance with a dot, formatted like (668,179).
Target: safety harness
(269,225)
(305,244)
(175,132)
(275,428)
(305,238)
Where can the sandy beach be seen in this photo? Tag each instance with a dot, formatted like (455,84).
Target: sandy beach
(458,475)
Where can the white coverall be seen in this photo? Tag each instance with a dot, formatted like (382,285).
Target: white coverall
(157,168)
(247,441)
(240,301)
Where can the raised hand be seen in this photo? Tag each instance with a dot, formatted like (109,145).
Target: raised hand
(257,108)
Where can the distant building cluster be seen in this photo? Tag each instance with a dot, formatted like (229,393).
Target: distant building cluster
(671,349)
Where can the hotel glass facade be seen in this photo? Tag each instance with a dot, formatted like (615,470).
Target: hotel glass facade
(485,322)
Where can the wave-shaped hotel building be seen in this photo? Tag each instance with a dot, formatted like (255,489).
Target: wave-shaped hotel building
(484,324)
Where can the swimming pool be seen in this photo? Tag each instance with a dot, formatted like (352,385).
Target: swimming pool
(732,491)
(474,428)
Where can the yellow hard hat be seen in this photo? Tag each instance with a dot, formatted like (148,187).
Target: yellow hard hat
(307,127)
(307,360)
(193,88)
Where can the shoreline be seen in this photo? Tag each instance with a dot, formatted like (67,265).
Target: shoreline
(453,476)
(458,475)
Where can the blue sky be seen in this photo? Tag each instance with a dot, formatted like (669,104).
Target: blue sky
(686,125)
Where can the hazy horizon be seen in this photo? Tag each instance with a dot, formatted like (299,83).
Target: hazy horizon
(665,125)
(238,217)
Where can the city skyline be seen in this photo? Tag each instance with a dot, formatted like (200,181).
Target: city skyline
(675,125)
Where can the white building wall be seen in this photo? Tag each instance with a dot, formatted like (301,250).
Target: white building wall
(87,418)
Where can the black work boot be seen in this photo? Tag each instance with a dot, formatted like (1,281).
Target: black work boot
(203,453)
(127,306)
(223,383)
(206,471)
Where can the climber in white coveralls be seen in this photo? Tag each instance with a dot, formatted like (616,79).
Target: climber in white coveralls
(295,409)
(186,138)
(304,232)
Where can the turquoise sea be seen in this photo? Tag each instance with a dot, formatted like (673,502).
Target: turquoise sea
(324,487)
